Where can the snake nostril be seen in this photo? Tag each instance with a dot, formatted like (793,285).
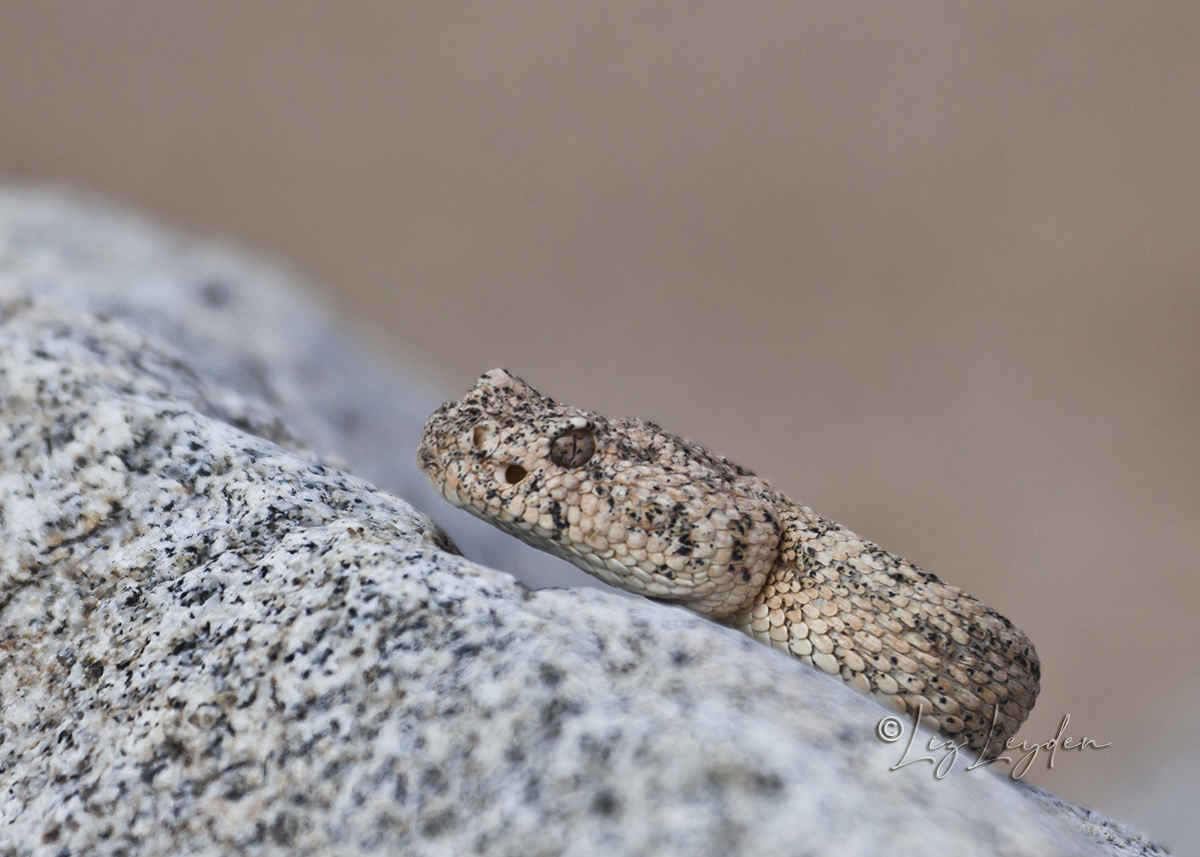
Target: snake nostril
(514,473)
(478,436)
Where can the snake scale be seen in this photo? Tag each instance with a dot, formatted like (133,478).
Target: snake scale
(658,515)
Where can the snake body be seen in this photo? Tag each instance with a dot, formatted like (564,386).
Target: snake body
(658,515)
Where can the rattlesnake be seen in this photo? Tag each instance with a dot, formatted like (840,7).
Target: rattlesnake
(657,515)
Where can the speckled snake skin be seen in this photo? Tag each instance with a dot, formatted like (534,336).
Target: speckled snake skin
(654,514)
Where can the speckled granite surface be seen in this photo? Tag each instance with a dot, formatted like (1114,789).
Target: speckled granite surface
(214,642)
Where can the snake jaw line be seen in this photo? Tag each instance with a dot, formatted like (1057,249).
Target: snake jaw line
(657,515)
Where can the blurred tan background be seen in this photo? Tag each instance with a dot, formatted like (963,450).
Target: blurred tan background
(932,268)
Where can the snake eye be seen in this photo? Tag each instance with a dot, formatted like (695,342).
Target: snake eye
(574,448)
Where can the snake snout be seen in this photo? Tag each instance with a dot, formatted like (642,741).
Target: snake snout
(425,457)
(437,439)
(427,450)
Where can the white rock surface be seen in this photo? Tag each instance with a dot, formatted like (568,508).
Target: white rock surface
(214,642)
(248,329)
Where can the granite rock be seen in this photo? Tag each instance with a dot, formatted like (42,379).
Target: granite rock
(247,328)
(216,640)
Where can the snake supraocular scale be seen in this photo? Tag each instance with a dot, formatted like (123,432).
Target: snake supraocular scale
(655,514)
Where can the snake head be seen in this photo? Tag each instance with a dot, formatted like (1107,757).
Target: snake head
(625,501)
